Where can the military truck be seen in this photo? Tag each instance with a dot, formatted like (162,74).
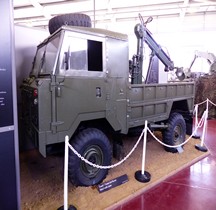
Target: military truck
(83,85)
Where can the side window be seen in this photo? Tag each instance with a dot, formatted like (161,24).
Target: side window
(82,54)
(78,54)
(95,56)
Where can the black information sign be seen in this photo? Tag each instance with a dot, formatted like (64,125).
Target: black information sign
(112,183)
(6,98)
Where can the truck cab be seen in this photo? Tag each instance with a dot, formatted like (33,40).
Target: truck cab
(77,74)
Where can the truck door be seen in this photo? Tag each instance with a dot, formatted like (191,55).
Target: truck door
(117,80)
(80,82)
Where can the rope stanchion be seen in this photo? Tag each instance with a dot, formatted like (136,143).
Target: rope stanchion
(196,136)
(201,147)
(142,175)
(65,207)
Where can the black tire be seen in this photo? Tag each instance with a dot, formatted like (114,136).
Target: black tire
(176,132)
(72,19)
(94,146)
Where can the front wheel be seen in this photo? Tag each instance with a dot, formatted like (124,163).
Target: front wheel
(93,145)
(175,133)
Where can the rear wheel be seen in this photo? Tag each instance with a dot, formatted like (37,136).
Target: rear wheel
(93,145)
(176,132)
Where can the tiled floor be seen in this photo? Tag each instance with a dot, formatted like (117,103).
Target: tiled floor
(193,188)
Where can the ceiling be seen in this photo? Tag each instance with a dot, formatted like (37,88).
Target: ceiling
(37,13)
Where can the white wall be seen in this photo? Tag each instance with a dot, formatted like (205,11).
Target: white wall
(181,37)
(26,41)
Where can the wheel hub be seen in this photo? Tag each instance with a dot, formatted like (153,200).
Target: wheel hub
(94,155)
(177,136)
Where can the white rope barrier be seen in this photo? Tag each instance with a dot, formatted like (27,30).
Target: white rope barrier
(185,142)
(202,122)
(135,146)
(199,124)
(111,166)
(202,102)
(211,102)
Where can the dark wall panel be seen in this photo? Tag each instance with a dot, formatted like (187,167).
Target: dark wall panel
(6,102)
(9,158)
(8,191)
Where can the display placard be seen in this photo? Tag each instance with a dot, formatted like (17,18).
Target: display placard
(112,183)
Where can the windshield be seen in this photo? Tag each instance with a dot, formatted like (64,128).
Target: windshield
(45,58)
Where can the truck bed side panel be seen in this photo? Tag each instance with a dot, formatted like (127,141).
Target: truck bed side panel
(154,102)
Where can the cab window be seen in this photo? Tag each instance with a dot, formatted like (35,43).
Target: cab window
(80,54)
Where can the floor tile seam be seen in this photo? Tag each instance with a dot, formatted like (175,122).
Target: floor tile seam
(191,186)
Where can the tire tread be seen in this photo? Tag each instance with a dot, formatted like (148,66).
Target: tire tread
(78,143)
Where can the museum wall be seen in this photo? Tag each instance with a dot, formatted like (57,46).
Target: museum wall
(26,41)
(180,37)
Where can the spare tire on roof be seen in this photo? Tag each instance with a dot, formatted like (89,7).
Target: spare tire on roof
(72,19)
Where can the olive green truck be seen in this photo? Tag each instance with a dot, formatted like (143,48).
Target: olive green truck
(83,85)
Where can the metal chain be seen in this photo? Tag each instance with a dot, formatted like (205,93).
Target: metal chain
(110,166)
